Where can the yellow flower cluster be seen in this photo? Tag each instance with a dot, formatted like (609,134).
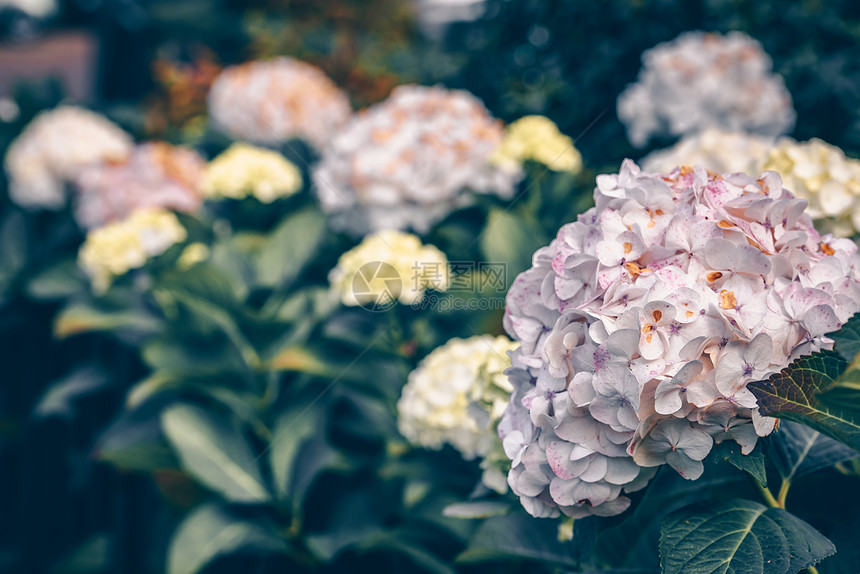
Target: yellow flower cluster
(389,266)
(457,396)
(538,139)
(244,170)
(822,175)
(116,248)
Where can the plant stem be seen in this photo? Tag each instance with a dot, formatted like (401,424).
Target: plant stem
(766,494)
(783,493)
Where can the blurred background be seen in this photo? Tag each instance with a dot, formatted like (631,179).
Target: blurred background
(148,66)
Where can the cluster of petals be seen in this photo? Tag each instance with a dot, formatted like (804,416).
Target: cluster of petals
(154,175)
(702,80)
(643,321)
(244,171)
(824,176)
(274,101)
(717,150)
(116,248)
(54,149)
(410,160)
(456,396)
(538,139)
(387,267)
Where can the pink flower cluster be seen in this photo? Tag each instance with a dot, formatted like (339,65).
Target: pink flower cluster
(155,175)
(643,321)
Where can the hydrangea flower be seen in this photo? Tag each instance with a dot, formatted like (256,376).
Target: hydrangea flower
(456,396)
(715,149)
(154,175)
(701,80)
(822,175)
(386,267)
(244,170)
(409,161)
(537,138)
(117,248)
(53,150)
(273,101)
(642,323)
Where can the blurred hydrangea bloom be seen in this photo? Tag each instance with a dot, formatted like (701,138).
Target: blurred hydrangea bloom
(714,149)
(537,138)
(389,266)
(245,170)
(273,101)
(643,321)
(409,161)
(702,80)
(53,150)
(117,248)
(155,175)
(822,175)
(457,396)
(33,8)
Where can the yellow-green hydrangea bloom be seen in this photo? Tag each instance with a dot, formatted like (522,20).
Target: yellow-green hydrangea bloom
(456,396)
(116,248)
(244,170)
(825,177)
(538,139)
(386,267)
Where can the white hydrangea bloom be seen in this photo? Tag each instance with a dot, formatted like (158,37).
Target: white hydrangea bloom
(643,321)
(714,149)
(54,149)
(386,267)
(33,8)
(702,80)
(272,101)
(244,170)
(822,175)
(117,248)
(409,161)
(456,396)
(155,175)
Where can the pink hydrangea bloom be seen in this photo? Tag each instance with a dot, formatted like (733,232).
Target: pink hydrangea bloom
(643,321)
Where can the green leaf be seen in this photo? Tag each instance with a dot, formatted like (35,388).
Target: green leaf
(738,537)
(59,399)
(753,463)
(81,318)
(517,536)
(13,247)
(135,442)
(209,532)
(800,450)
(217,455)
(846,341)
(290,247)
(797,393)
(482,509)
(291,430)
(510,240)
(57,282)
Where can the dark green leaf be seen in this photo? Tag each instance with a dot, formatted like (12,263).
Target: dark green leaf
(209,532)
(217,455)
(846,341)
(135,442)
(80,318)
(738,537)
(482,509)
(800,450)
(291,430)
(289,248)
(753,463)
(796,393)
(59,398)
(518,536)
(511,241)
(56,282)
